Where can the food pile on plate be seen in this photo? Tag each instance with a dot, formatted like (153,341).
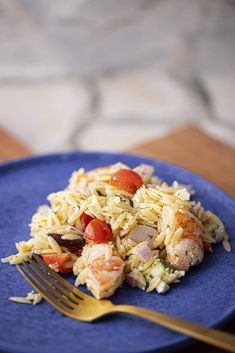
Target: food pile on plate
(115,224)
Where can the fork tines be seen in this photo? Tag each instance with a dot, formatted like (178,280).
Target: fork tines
(57,291)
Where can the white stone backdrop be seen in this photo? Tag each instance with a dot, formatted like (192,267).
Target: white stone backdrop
(106,74)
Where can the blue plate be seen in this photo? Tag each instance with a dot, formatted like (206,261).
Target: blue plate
(205,295)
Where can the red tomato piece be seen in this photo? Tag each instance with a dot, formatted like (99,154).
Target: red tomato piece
(61,262)
(85,219)
(127,180)
(98,231)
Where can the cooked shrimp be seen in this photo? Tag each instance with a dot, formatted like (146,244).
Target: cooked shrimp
(101,268)
(189,249)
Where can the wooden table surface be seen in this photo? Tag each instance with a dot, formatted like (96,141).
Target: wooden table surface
(189,148)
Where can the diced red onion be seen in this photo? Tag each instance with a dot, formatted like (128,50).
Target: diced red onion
(145,252)
(147,169)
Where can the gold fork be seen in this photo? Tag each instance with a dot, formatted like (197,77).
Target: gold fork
(80,306)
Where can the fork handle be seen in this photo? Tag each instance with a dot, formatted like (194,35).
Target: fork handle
(212,336)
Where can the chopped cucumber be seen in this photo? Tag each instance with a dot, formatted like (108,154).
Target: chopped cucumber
(158,269)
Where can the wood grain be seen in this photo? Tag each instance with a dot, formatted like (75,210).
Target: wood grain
(11,148)
(189,148)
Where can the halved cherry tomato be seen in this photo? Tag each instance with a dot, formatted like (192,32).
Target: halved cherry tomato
(98,231)
(127,180)
(85,219)
(60,262)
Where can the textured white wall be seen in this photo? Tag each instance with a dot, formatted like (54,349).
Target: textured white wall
(105,74)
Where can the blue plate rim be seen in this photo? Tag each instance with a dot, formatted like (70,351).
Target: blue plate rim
(182,341)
